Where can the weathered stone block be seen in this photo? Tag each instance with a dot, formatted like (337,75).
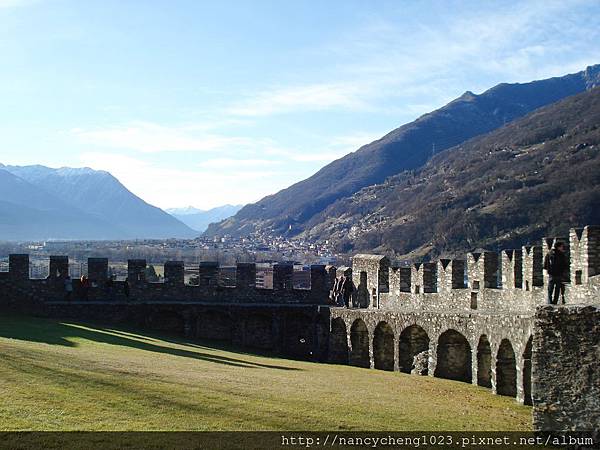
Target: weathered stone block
(174,273)
(245,277)
(59,268)
(318,279)
(283,277)
(208,274)
(566,368)
(18,266)
(136,271)
(98,270)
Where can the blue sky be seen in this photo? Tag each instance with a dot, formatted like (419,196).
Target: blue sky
(204,103)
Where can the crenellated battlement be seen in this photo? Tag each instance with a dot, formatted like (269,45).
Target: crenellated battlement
(451,274)
(585,253)
(512,281)
(172,287)
(473,320)
(482,270)
(512,269)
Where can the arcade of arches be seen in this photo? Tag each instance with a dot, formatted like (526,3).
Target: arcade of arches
(413,351)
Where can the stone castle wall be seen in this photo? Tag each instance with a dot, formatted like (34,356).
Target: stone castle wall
(566,369)
(18,287)
(512,282)
(471,320)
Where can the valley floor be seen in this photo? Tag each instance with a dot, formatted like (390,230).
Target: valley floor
(72,376)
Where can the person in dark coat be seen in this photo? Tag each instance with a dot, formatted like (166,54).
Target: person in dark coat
(347,290)
(556,264)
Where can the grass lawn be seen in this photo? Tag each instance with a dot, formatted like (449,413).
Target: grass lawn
(71,376)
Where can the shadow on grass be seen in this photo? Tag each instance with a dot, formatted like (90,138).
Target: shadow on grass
(97,388)
(57,333)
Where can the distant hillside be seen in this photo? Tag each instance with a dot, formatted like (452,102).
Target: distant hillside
(199,219)
(408,147)
(38,202)
(537,176)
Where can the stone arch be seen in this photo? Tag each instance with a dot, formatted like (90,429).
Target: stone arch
(338,342)
(453,357)
(413,341)
(359,338)
(214,325)
(484,362)
(506,370)
(168,321)
(298,336)
(527,399)
(258,331)
(383,346)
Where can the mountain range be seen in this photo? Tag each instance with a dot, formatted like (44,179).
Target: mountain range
(199,219)
(299,208)
(537,176)
(488,170)
(38,203)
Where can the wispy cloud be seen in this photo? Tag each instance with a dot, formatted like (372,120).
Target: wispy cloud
(332,148)
(310,97)
(216,181)
(150,137)
(387,67)
(237,163)
(168,187)
(382,61)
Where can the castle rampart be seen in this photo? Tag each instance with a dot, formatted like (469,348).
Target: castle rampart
(479,320)
(18,286)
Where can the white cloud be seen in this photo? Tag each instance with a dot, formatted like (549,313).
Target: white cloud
(150,137)
(330,150)
(167,187)
(383,61)
(403,68)
(310,97)
(234,163)
(236,153)
(218,181)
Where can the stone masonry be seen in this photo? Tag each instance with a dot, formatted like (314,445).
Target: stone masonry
(482,320)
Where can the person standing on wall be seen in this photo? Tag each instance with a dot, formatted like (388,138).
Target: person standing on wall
(556,265)
(347,290)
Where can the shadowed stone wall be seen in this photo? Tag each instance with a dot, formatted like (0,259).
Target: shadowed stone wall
(469,320)
(566,368)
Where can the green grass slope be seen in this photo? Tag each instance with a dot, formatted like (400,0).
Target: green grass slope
(69,376)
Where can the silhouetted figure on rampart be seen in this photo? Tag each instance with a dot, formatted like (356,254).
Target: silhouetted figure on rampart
(556,264)
(347,290)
